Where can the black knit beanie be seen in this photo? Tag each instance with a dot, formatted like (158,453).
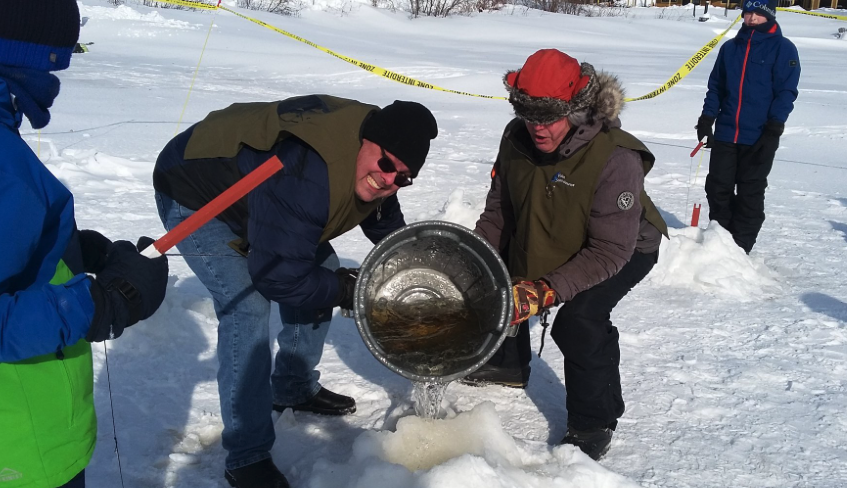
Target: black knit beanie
(404,129)
(38,34)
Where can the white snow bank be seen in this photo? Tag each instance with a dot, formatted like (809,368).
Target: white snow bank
(124,12)
(708,260)
(459,210)
(86,169)
(471,450)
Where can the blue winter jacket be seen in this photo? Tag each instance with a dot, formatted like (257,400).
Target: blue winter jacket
(754,80)
(37,226)
(284,217)
(287,217)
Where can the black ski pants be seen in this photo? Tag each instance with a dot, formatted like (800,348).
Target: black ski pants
(735,189)
(584,333)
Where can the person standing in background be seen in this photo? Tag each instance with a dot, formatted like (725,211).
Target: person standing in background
(752,89)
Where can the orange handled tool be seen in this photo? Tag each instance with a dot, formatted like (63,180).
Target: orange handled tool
(213,208)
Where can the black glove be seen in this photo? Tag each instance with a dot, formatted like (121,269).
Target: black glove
(346,287)
(129,288)
(704,129)
(768,142)
(95,246)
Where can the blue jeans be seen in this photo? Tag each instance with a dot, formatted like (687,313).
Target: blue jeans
(246,385)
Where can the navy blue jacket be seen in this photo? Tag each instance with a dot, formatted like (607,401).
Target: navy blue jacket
(283,218)
(37,228)
(754,80)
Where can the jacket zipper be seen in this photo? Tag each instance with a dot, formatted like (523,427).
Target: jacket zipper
(60,355)
(741,88)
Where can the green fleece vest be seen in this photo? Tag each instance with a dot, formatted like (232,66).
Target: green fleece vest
(332,131)
(552,218)
(48,426)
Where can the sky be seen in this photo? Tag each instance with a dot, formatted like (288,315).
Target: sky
(733,366)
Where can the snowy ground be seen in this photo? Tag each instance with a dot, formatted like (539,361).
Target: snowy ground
(733,366)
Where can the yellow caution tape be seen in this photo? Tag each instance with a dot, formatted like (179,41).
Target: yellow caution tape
(687,68)
(391,75)
(188,3)
(408,80)
(194,76)
(816,14)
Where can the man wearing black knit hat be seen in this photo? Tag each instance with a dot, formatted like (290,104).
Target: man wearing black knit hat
(568,212)
(751,92)
(343,163)
(50,308)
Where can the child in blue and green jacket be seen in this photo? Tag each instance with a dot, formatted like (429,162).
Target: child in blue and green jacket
(50,309)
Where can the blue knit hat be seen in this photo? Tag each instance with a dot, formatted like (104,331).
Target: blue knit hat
(38,34)
(766,8)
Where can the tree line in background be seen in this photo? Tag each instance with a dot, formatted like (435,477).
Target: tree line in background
(443,8)
(428,8)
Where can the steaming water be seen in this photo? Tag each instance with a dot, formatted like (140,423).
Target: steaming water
(428,398)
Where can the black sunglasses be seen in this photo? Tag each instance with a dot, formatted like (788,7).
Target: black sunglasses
(387,166)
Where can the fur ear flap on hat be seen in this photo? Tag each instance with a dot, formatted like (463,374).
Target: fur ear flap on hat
(601,99)
(609,101)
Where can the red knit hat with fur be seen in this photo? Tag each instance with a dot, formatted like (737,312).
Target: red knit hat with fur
(550,86)
(549,73)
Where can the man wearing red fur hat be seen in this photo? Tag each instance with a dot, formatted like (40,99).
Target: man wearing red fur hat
(568,212)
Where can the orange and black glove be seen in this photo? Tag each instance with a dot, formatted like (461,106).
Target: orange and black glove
(531,298)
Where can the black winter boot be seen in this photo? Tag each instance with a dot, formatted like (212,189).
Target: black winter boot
(324,402)
(593,442)
(496,375)
(263,474)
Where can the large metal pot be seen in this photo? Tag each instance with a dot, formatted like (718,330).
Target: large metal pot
(433,301)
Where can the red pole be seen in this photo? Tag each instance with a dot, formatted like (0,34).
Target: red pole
(699,145)
(695,215)
(213,208)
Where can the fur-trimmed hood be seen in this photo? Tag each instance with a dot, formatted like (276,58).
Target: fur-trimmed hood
(609,101)
(601,100)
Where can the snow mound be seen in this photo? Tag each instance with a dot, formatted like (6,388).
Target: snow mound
(458,210)
(470,450)
(124,12)
(88,169)
(708,260)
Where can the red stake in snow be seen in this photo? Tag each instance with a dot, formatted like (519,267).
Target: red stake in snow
(213,208)
(695,215)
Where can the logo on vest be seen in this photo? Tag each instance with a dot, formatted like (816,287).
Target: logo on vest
(557,179)
(626,200)
(560,178)
(9,475)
